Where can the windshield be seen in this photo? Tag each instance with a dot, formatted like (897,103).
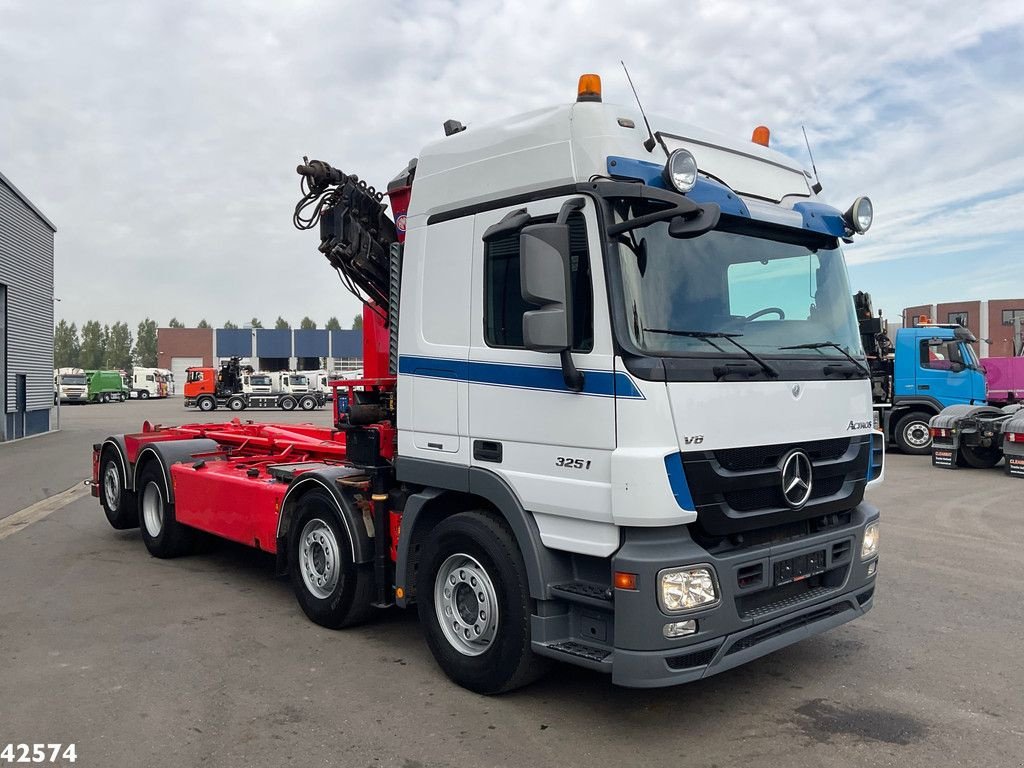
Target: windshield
(772,294)
(297,381)
(260,381)
(73,380)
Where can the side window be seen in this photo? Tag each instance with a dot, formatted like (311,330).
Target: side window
(503,299)
(940,357)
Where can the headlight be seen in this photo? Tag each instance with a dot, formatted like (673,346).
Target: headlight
(685,589)
(681,170)
(859,215)
(870,546)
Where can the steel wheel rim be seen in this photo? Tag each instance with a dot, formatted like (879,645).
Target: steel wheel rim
(111,486)
(916,434)
(319,558)
(153,509)
(466,604)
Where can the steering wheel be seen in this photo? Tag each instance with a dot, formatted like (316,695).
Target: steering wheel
(766,311)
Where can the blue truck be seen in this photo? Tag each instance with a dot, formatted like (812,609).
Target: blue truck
(928,368)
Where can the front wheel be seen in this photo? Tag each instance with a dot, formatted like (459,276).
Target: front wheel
(980,457)
(206,403)
(475,606)
(119,504)
(144,395)
(912,435)
(331,588)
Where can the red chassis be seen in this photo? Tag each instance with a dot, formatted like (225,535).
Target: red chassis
(235,491)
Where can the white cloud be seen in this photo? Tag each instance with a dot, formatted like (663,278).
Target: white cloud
(162,138)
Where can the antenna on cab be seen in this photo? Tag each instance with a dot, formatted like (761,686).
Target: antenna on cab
(817,184)
(650,142)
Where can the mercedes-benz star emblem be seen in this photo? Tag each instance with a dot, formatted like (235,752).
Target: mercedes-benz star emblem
(797,477)
(796,390)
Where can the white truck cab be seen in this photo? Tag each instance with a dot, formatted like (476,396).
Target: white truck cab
(70,385)
(257,383)
(647,359)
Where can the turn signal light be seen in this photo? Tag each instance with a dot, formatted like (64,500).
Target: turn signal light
(625,580)
(761,135)
(589,88)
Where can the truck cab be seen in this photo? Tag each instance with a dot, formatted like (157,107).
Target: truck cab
(199,381)
(290,382)
(71,385)
(257,383)
(935,367)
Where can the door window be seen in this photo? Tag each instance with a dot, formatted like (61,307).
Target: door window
(503,300)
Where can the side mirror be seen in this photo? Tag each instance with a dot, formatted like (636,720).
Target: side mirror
(544,279)
(956,367)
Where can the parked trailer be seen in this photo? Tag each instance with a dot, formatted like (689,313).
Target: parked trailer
(630,445)
(979,437)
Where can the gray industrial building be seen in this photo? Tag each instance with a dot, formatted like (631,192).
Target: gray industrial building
(26,316)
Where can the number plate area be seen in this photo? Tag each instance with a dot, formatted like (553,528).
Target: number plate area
(799,568)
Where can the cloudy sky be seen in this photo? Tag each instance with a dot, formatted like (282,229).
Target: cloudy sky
(162,137)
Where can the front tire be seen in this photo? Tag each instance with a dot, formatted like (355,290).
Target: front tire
(912,435)
(144,395)
(206,404)
(475,606)
(332,590)
(119,504)
(162,534)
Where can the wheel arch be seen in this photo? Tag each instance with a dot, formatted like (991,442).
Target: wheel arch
(346,506)
(482,490)
(168,453)
(115,445)
(927,406)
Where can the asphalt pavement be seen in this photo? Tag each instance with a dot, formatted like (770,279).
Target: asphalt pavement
(207,660)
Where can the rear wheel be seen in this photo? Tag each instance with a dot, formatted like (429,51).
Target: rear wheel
(162,534)
(105,398)
(288,403)
(307,403)
(236,404)
(332,590)
(912,435)
(119,504)
(206,403)
(980,457)
(475,606)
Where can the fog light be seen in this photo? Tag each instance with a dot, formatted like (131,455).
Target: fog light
(681,628)
(859,215)
(686,589)
(869,547)
(872,567)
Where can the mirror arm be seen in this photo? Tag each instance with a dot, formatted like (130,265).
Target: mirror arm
(568,207)
(572,375)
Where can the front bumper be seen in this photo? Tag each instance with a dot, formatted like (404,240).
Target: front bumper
(753,616)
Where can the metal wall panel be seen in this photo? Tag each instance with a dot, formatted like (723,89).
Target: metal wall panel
(273,343)
(232,342)
(26,268)
(312,343)
(346,344)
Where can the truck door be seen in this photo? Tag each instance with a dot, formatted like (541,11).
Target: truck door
(550,444)
(942,373)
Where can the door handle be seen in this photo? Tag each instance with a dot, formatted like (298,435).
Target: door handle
(923,386)
(487,450)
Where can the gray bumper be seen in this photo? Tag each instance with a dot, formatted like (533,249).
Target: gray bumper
(757,613)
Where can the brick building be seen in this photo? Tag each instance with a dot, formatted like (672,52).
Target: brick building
(990,320)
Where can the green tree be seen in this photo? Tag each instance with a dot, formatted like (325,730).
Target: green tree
(307,324)
(66,347)
(333,324)
(203,324)
(145,342)
(172,323)
(229,324)
(255,323)
(281,324)
(119,347)
(92,349)
(357,323)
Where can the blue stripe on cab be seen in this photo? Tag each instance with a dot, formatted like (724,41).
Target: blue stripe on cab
(677,481)
(595,383)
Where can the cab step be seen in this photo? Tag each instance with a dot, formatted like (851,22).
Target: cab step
(585,593)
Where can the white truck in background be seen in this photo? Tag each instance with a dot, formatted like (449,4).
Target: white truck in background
(70,385)
(145,383)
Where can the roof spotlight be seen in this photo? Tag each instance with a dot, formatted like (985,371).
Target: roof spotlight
(681,170)
(859,215)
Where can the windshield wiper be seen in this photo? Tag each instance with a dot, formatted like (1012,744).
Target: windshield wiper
(707,336)
(836,346)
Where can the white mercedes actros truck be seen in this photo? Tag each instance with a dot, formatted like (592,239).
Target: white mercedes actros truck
(615,409)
